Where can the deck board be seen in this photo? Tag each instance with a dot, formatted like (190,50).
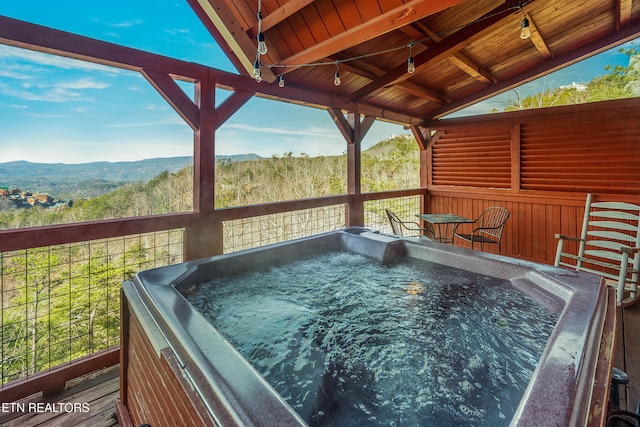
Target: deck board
(97,393)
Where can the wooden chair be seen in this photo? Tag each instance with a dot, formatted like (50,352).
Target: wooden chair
(609,245)
(487,228)
(399,227)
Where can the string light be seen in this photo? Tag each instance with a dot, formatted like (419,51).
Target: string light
(525,32)
(262,46)
(257,74)
(411,68)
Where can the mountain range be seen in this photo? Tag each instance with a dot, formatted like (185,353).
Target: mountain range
(83,180)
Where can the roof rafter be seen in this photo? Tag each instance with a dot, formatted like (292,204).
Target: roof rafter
(229,32)
(444,49)
(624,13)
(558,62)
(278,15)
(409,12)
(458,59)
(537,40)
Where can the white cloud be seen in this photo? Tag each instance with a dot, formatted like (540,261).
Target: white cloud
(17,75)
(10,53)
(70,90)
(257,130)
(172,120)
(126,24)
(83,83)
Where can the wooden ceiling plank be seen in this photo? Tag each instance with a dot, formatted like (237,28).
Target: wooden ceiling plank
(330,17)
(315,23)
(417,9)
(277,16)
(302,31)
(368,9)
(442,50)
(348,13)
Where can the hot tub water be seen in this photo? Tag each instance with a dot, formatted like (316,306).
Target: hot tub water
(347,340)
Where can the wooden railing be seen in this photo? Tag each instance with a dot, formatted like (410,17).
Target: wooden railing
(535,217)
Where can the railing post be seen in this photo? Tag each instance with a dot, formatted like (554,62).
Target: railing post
(355,209)
(203,237)
(353,130)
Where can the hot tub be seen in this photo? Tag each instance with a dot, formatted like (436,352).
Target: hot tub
(178,369)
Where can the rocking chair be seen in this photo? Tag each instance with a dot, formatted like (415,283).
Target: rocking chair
(609,246)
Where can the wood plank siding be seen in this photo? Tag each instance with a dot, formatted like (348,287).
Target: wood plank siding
(539,164)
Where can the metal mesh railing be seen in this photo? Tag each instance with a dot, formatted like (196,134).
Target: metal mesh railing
(62,302)
(375,217)
(262,230)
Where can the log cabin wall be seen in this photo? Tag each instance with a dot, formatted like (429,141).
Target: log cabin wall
(539,164)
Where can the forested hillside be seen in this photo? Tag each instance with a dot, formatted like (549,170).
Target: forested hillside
(391,164)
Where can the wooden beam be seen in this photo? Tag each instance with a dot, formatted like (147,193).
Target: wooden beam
(30,36)
(171,92)
(471,68)
(343,125)
(537,40)
(235,38)
(423,92)
(419,31)
(278,15)
(623,15)
(311,98)
(371,72)
(423,138)
(230,105)
(409,12)
(445,48)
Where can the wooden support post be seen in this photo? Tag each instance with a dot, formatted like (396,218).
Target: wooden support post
(204,237)
(353,129)
(423,138)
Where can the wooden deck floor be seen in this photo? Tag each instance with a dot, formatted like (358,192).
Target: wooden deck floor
(627,354)
(89,402)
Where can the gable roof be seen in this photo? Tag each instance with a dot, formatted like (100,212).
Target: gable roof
(464,51)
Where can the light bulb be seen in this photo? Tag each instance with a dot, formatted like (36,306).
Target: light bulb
(525,32)
(411,67)
(336,79)
(281,81)
(262,46)
(256,71)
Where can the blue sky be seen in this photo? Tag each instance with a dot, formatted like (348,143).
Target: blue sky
(55,109)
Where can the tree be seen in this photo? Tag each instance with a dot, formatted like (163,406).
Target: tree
(615,84)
